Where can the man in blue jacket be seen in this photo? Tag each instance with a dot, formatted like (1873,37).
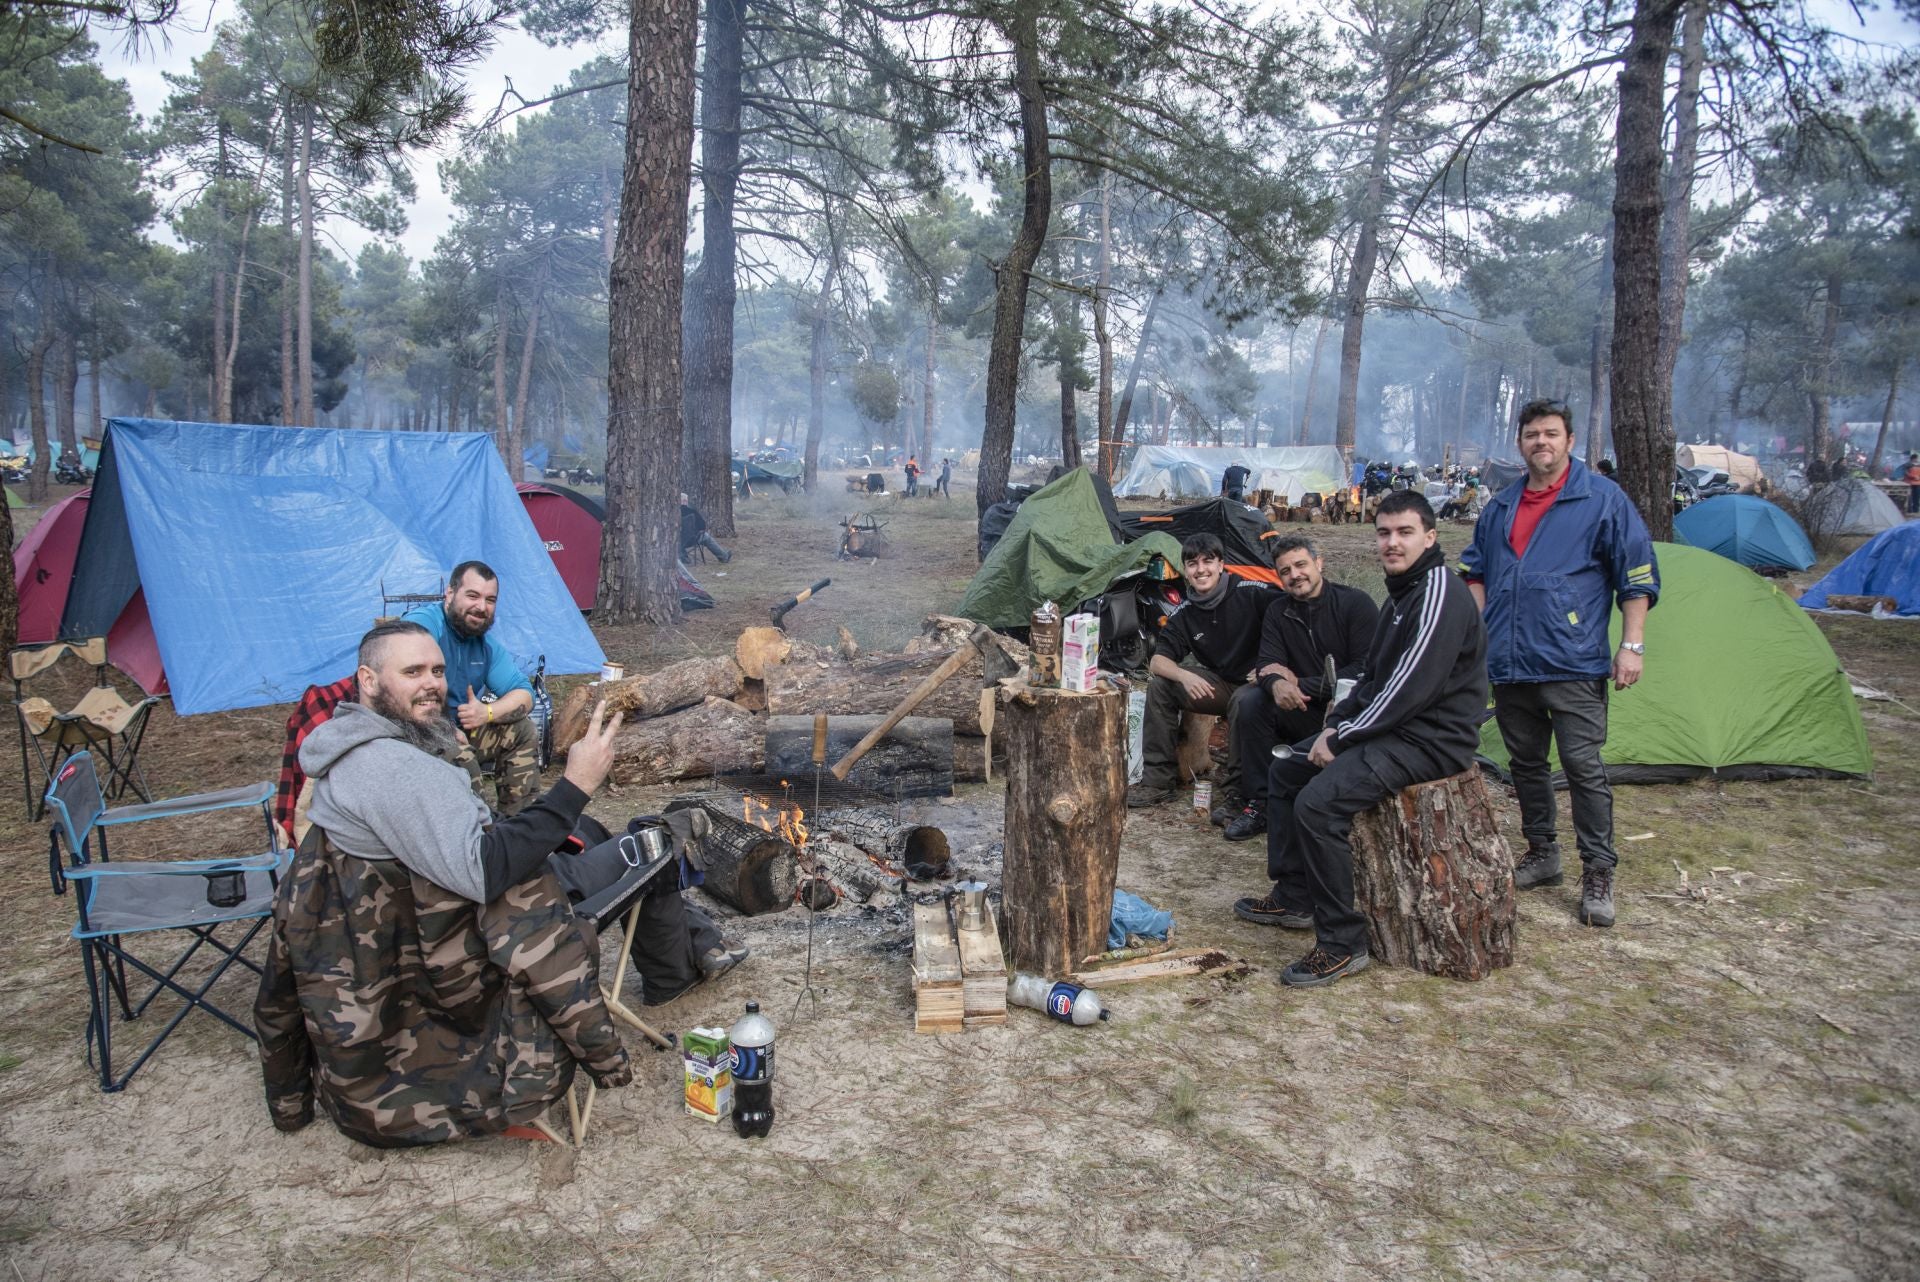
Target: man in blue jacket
(1551,555)
(488,696)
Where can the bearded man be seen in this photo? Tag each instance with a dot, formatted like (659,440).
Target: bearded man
(487,697)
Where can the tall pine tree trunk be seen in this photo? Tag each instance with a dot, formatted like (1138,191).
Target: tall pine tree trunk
(706,467)
(929,374)
(502,317)
(289,267)
(1134,367)
(1366,255)
(819,354)
(1820,395)
(37,406)
(303,316)
(1597,352)
(1010,290)
(1102,336)
(1642,439)
(66,385)
(1313,377)
(644,387)
(1676,223)
(1886,416)
(517,435)
(1066,320)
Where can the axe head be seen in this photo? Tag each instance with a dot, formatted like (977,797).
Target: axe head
(995,663)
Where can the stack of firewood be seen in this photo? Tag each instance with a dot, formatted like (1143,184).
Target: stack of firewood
(745,712)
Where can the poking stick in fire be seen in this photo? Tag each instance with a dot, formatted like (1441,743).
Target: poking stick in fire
(813,881)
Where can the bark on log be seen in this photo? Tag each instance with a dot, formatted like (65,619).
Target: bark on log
(1861,604)
(972,759)
(1434,876)
(920,849)
(718,737)
(747,867)
(676,686)
(1066,790)
(945,633)
(850,869)
(915,759)
(873,686)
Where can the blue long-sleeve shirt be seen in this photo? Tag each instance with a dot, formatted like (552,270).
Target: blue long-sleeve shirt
(480,662)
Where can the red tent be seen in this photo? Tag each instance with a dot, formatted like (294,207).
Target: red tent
(569,524)
(42,572)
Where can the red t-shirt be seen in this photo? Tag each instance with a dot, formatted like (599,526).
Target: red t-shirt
(1533,506)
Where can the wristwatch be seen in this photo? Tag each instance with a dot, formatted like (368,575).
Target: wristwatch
(1634,647)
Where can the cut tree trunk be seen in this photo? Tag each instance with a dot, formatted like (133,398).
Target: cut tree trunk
(972,759)
(760,648)
(873,686)
(1434,877)
(676,686)
(851,869)
(915,759)
(920,849)
(718,737)
(748,867)
(1066,790)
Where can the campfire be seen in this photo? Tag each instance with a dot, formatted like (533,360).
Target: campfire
(786,818)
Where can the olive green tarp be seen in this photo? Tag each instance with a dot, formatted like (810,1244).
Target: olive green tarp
(1058,548)
(1738,682)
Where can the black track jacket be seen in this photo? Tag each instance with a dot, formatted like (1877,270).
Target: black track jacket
(1426,672)
(1301,634)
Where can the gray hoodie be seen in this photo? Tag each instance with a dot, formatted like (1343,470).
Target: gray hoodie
(379,797)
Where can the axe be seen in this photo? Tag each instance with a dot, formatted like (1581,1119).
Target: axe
(994,665)
(779,612)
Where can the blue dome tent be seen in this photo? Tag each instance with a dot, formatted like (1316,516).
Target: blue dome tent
(1743,528)
(1886,565)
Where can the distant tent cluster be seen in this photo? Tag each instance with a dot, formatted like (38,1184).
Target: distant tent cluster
(1179,471)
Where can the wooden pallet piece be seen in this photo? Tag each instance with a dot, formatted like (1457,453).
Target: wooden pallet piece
(983,969)
(1185,961)
(939,997)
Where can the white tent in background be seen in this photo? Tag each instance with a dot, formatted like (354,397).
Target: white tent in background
(1743,469)
(1851,505)
(1194,471)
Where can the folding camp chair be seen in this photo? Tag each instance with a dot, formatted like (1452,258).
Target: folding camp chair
(117,900)
(620,903)
(102,722)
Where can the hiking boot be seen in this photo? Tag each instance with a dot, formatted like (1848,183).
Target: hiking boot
(1250,822)
(1322,967)
(1541,867)
(718,961)
(1230,803)
(1268,911)
(1596,896)
(1142,795)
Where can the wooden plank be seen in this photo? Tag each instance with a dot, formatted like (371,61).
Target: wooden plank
(1187,961)
(939,998)
(985,968)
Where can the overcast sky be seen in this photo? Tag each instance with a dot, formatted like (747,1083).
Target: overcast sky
(534,69)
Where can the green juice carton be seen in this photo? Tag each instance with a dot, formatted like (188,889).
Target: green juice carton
(707,1056)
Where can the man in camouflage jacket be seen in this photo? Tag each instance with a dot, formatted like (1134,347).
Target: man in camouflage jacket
(426,978)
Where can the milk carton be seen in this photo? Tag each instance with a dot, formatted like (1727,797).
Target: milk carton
(707,1057)
(1080,653)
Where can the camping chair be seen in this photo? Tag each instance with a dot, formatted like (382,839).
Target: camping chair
(620,903)
(102,722)
(118,900)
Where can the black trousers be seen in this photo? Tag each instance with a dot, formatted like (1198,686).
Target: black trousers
(1160,733)
(1310,814)
(670,935)
(1572,716)
(1255,725)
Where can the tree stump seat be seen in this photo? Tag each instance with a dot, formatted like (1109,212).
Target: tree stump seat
(1434,877)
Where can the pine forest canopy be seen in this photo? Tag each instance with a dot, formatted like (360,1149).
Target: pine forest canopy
(1026,227)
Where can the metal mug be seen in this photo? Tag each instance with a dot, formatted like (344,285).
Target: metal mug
(973,904)
(645,847)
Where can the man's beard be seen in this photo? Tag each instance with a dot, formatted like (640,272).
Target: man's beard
(433,736)
(458,624)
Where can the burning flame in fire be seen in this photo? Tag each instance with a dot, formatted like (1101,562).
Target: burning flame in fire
(786,820)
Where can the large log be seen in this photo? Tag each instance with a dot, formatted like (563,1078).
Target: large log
(747,867)
(972,759)
(873,685)
(920,849)
(1434,876)
(718,737)
(944,633)
(914,760)
(1066,804)
(676,686)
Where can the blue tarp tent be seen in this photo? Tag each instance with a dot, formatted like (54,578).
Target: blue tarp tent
(263,551)
(1747,529)
(536,455)
(1886,565)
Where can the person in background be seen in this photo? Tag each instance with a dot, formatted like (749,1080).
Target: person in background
(1553,553)
(946,478)
(1233,482)
(913,476)
(1911,475)
(694,533)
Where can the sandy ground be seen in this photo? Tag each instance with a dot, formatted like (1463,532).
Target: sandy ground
(1720,1087)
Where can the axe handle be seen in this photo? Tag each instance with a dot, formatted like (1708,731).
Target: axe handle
(779,612)
(932,681)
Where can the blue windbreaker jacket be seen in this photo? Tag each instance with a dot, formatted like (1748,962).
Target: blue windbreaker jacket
(1547,611)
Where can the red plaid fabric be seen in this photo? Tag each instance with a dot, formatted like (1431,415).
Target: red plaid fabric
(315,708)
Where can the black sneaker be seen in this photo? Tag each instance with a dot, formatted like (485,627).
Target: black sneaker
(1322,967)
(1596,897)
(1268,911)
(1250,822)
(1142,795)
(1541,867)
(1230,804)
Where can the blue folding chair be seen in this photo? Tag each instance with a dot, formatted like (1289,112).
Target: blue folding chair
(118,900)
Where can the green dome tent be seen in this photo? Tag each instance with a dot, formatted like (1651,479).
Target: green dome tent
(1739,683)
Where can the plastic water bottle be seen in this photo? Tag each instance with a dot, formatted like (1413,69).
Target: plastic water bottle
(1068,1003)
(752,1037)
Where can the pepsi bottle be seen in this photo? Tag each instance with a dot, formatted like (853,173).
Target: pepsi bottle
(752,1036)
